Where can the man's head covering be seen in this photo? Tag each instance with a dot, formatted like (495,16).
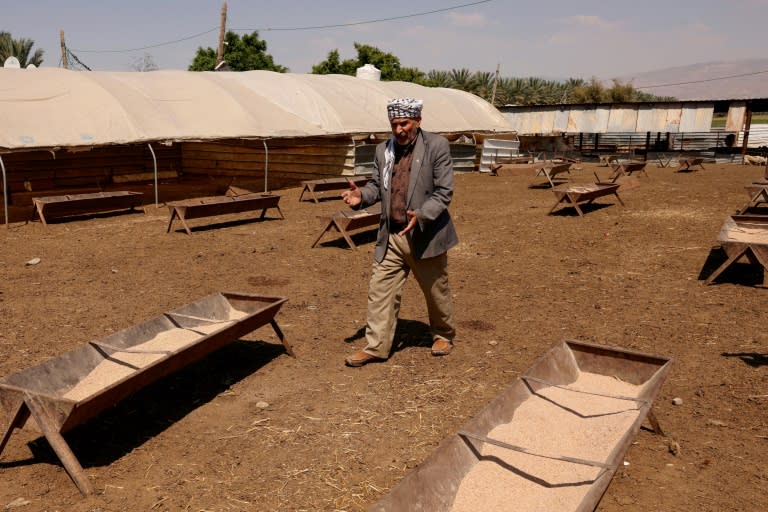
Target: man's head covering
(404,107)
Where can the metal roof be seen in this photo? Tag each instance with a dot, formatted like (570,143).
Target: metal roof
(675,117)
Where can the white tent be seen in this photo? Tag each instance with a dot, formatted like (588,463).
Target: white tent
(53,107)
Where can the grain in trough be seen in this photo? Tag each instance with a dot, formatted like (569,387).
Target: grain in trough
(551,441)
(68,390)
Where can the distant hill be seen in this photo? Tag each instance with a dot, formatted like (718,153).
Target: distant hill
(737,79)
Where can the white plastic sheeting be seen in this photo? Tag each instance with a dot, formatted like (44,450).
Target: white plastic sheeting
(53,107)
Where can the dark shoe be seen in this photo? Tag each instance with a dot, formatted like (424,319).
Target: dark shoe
(441,347)
(361,358)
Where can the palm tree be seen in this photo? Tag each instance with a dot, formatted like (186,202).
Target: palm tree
(461,79)
(19,48)
(511,91)
(439,78)
(481,84)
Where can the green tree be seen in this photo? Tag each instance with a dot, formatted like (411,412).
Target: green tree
(387,63)
(241,54)
(621,92)
(19,48)
(412,75)
(334,66)
(591,92)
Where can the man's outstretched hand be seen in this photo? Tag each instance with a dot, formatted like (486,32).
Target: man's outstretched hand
(353,196)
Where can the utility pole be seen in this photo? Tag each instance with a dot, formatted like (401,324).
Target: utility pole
(495,81)
(222,31)
(64,59)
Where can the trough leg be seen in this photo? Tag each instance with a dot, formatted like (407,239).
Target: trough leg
(59,445)
(343,230)
(727,263)
(324,231)
(655,425)
(39,208)
(549,178)
(17,419)
(174,214)
(756,199)
(562,199)
(281,337)
(184,223)
(575,203)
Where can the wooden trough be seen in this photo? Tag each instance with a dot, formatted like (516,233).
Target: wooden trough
(235,200)
(315,187)
(579,407)
(68,390)
(574,195)
(346,221)
(80,204)
(743,236)
(758,195)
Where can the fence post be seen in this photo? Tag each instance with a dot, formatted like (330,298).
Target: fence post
(647,145)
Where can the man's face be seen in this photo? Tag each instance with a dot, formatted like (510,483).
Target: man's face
(405,129)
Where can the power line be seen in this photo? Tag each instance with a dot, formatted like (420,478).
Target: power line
(318,27)
(149,46)
(378,20)
(702,81)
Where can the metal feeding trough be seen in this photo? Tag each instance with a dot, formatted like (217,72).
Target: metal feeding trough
(65,391)
(551,441)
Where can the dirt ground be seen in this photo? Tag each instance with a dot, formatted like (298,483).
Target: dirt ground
(252,428)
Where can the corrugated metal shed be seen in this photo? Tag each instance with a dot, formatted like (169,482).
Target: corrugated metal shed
(622,118)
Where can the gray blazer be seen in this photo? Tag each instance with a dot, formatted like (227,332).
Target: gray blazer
(429,193)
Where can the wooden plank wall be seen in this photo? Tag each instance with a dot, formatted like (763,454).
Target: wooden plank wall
(288,161)
(186,169)
(99,168)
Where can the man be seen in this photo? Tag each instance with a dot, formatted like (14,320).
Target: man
(413,179)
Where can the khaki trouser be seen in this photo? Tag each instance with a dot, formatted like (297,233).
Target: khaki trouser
(385,293)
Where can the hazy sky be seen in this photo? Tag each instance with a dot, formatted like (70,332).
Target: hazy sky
(550,39)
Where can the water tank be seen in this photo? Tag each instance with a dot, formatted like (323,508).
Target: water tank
(368,72)
(12,62)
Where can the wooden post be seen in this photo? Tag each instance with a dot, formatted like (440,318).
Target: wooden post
(747,125)
(495,81)
(64,59)
(647,145)
(222,32)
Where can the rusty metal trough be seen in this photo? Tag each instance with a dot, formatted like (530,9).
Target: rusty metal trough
(435,484)
(72,388)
